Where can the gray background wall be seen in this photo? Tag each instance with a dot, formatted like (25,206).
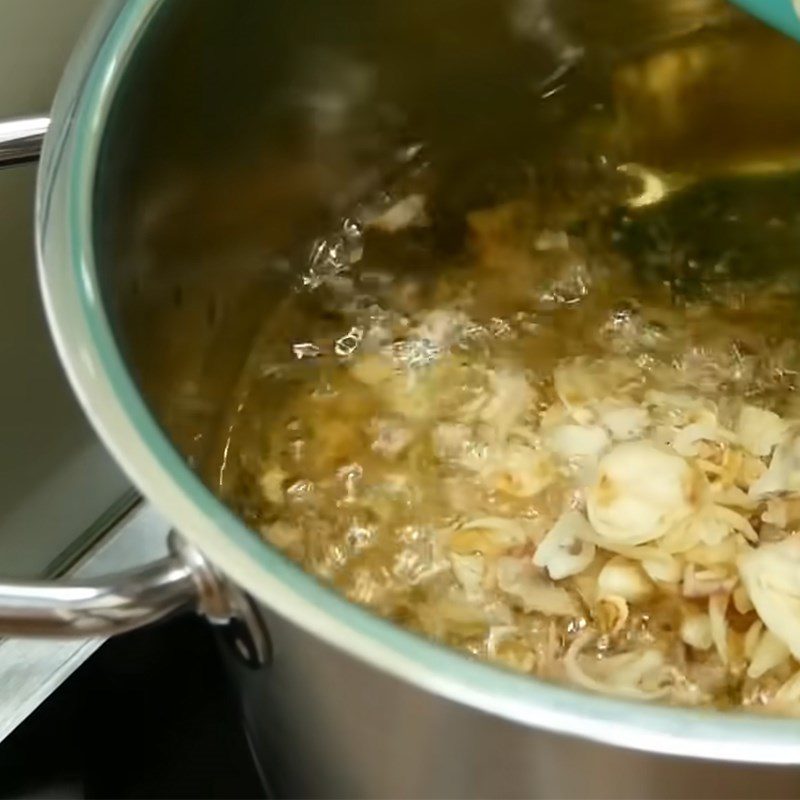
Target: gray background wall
(55,478)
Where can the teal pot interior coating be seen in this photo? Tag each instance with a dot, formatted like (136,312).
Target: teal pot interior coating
(782,14)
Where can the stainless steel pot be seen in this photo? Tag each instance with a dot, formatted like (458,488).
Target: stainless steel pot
(192,142)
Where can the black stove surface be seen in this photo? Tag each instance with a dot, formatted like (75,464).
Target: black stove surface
(151,714)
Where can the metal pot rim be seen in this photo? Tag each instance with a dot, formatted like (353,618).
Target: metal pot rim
(109,397)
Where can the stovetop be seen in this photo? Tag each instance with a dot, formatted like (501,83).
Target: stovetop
(150,715)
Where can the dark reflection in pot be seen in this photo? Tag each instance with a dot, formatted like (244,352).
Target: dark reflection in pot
(244,129)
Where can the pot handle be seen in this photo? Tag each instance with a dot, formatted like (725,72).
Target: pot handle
(184,580)
(21,139)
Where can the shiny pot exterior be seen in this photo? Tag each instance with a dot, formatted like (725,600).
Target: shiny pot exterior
(194,144)
(324,724)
